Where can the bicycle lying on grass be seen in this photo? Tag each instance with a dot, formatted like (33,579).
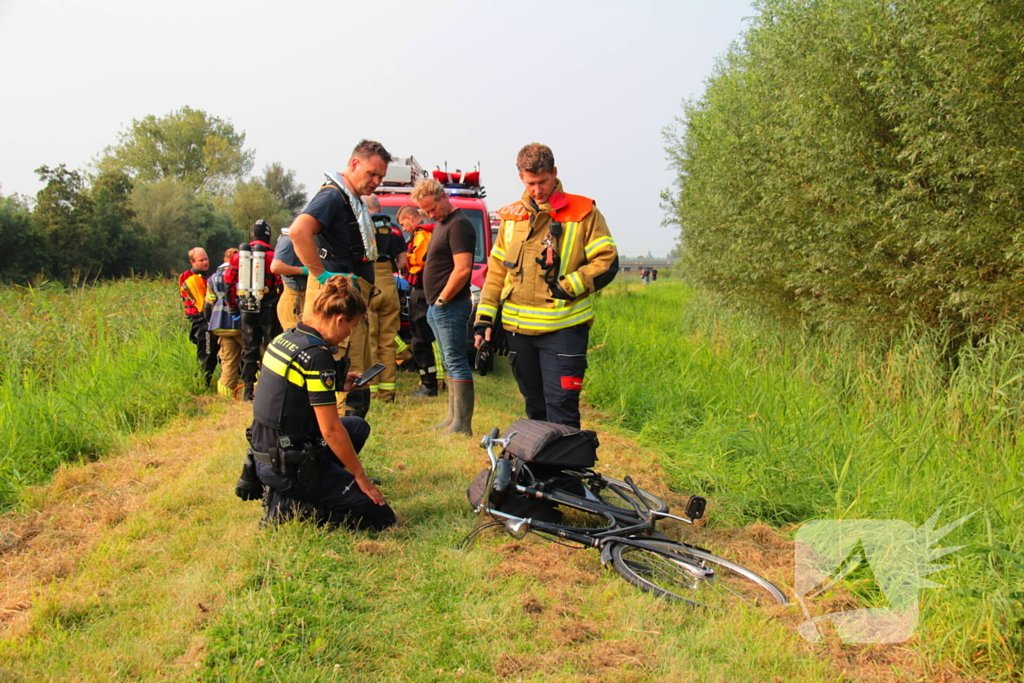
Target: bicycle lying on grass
(552,491)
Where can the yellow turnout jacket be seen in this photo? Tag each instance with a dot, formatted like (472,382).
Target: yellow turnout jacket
(515,280)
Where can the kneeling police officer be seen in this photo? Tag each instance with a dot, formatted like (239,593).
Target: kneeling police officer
(303,451)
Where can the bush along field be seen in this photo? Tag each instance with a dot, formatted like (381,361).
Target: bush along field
(85,366)
(786,426)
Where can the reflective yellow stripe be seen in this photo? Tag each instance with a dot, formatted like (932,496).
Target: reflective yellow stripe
(318,385)
(486,309)
(390,386)
(532,318)
(510,227)
(568,240)
(498,253)
(577,283)
(273,362)
(545,313)
(599,243)
(373,388)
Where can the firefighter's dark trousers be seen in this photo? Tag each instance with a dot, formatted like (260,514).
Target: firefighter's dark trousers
(549,369)
(258,329)
(422,337)
(207,345)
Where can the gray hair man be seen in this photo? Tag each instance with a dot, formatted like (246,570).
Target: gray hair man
(446,274)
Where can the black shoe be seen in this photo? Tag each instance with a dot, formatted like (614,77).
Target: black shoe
(274,511)
(249,486)
(424,391)
(247,392)
(278,508)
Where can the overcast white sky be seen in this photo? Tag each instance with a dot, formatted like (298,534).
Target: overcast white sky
(449,80)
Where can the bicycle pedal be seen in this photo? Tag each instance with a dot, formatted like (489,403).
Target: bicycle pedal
(695,507)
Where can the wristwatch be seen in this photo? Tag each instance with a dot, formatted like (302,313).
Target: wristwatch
(440,302)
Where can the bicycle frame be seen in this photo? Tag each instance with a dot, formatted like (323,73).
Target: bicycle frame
(632,534)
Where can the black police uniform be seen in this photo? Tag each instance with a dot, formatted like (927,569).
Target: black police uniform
(299,373)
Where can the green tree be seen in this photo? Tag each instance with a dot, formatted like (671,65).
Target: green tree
(854,161)
(129,249)
(25,252)
(201,151)
(64,213)
(252,201)
(177,220)
(282,183)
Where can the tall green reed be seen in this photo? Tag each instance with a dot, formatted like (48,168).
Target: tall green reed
(83,367)
(787,425)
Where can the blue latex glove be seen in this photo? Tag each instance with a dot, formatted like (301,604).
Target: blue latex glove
(323,277)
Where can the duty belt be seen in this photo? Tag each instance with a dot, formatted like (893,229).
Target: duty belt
(277,456)
(287,459)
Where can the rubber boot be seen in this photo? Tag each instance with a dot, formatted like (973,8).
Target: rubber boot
(462,422)
(248,392)
(443,424)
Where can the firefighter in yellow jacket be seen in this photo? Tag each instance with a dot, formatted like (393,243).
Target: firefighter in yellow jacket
(553,250)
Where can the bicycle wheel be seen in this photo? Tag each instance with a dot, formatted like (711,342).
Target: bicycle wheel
(679,572)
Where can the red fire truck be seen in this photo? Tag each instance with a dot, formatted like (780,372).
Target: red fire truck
(465,192)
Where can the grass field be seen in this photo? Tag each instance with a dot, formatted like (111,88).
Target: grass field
(143,566)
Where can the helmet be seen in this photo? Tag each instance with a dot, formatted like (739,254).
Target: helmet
(261,231)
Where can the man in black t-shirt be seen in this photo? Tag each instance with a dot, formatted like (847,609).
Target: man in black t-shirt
(446,274)
(334,234)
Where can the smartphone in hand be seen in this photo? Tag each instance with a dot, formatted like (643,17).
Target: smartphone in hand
(368,375)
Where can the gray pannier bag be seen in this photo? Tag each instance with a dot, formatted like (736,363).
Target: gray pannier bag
(549,444)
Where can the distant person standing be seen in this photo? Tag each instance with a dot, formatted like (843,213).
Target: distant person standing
(553,251)
(192,286)
(227,327)
(446,276)
(334,235)
(293,275)
(259,317)
(385,310)
(654,274)
(411,219)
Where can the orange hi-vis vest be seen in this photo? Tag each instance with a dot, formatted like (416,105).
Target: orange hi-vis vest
(418,250)
(192,287)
